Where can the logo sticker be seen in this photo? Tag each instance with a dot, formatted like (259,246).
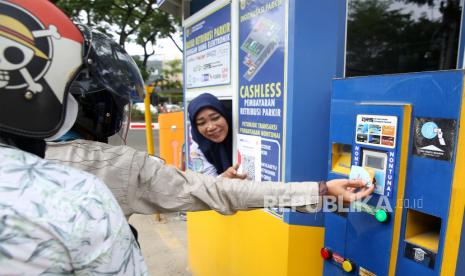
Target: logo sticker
(434,138)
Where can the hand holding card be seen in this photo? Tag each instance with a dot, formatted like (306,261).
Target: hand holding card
(363,173)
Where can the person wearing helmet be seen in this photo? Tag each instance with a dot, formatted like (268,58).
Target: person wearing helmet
(54,219)
(141,183)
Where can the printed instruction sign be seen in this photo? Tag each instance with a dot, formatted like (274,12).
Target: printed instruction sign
(434,138)
(249,155)
(262,46)
(208,50)
(375,130)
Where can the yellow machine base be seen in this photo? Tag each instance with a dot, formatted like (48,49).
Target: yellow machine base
(250,244)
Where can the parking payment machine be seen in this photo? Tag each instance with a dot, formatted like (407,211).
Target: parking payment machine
(400,133)
(375,133)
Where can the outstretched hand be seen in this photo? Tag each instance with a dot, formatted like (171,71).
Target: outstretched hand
(350,190)
(231,172)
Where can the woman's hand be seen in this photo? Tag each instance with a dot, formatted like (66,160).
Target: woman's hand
(349,190)
(231,172)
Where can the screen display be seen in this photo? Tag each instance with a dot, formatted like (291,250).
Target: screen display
(375,162)
(399,36)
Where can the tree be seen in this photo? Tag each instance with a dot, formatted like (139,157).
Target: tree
(158,26)
(144,71)
(138,21)
(169,86)
(171,72)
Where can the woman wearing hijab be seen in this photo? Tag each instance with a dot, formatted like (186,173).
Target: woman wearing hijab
(211,151)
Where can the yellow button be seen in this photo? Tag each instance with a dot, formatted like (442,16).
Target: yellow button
(347,266)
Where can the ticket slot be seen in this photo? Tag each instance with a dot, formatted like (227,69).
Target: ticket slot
(422,235)
(341,158)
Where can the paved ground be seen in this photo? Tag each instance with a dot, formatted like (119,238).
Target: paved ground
(164,244)
(136,139)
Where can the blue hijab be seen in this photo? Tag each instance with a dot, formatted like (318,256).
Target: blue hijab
(218,154)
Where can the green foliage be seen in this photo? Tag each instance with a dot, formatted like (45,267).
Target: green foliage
(176,98)
(138,21)
(170,86)
(139,116)
(171,71)
(144,71)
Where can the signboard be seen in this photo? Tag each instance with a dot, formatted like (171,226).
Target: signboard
(262,91)
(208,50)
(434,138)
(379,133)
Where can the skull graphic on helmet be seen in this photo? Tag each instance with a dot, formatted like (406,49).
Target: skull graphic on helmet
(18,48)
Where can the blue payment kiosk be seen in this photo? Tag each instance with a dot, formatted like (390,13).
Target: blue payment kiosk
(403,130)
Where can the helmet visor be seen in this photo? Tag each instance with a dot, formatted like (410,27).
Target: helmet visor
(109,67)
(120,137)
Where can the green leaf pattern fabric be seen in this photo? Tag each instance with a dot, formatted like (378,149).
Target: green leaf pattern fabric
(55,220)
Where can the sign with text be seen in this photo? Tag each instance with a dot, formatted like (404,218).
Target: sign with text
(262,47)
(208,50)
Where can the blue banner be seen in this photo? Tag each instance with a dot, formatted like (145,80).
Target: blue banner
(261,80)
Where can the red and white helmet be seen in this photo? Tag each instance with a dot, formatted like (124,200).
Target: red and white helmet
(40,55)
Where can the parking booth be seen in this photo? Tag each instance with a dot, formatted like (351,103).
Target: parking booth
(243,53)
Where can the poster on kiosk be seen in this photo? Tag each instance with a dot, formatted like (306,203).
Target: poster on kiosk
(207,64)
(208,50)
(262,48)
(261,86)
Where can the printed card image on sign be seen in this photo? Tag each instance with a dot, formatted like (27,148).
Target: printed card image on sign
(362,138)
(387,141)
(374,139)
(389,130)
(259,45)
(362,128)
(376,130)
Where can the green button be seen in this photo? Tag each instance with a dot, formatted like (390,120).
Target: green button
(381,215)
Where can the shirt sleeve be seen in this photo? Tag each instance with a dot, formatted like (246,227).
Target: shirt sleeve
(161,188)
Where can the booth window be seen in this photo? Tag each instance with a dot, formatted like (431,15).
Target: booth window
(399,36)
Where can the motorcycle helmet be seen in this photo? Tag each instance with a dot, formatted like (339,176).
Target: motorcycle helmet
(103,88)
(40,56)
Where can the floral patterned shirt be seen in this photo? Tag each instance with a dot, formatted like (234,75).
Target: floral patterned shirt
(198,161)
(58,220)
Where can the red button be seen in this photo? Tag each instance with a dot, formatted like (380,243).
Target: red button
(326,253)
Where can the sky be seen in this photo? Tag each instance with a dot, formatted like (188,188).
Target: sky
(164,49)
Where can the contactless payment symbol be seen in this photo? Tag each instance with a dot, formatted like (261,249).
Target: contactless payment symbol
(430,130)
(427,130)
(434,138)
